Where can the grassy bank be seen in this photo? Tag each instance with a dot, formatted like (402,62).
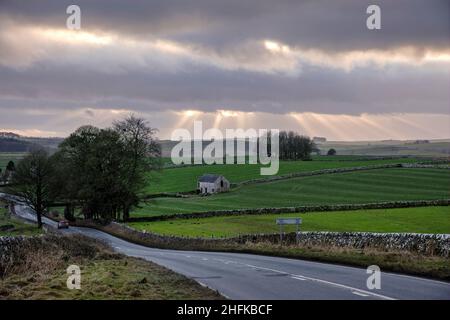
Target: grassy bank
(11,226)
(353,187)
(185,178)
(416,220)
(40,273)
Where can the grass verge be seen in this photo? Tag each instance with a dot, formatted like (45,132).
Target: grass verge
(39,272)
(12,226)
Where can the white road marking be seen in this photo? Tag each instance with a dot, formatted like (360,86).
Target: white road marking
(334,284)
(224,261)
(298,278)
(384,273)
(360,294)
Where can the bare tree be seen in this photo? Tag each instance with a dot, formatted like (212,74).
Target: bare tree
(143,152)
(31,182)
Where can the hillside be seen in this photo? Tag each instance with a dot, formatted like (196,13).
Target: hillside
(15,145)
(11,142)
(429,148)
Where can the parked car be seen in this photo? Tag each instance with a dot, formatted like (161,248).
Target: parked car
(63,224)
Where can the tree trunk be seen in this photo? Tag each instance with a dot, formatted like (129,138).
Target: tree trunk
(126,213)
(39,206)
(39,218)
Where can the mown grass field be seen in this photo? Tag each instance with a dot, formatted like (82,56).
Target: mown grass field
(185,178)
(353,187)
(421,220)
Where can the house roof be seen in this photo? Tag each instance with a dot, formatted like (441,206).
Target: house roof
(211,178)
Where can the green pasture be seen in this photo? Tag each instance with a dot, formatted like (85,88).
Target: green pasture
(353,187)
(420,220)
(184,179)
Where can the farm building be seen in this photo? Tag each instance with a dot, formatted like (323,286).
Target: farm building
(212,183)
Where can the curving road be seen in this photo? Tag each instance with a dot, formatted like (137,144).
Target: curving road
(246,276)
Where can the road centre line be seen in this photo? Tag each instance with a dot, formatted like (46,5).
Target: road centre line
(326,282)
(360,294)
(298,278)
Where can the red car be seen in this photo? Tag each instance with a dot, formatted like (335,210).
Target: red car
(63,224)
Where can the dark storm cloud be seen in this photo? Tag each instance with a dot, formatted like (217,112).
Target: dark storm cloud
(210,89)
(333,25)
(55,79)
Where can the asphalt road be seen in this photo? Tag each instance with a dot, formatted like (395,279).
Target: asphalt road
(246,276)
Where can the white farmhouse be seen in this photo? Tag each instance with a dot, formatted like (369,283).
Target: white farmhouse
(212,183)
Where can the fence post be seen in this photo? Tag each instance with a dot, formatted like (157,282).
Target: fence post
(281,234)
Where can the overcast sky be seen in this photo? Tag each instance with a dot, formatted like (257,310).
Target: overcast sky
(310,66)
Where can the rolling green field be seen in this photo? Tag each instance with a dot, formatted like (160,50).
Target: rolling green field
(353,187)
(5,157)
(421,220)
(185,178)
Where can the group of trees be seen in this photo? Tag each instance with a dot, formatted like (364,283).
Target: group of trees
(298,147)
(331,152)
(294,146)
(100,171)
